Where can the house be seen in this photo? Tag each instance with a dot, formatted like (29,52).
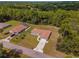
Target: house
(4,25)
(45,34)
(19,28)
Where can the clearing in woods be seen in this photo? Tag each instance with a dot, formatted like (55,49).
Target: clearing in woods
(25,39)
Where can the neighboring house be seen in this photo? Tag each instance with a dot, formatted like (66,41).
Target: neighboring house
(19,28)
(4,25)
(43,36)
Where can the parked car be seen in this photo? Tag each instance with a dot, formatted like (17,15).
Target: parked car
(12,35)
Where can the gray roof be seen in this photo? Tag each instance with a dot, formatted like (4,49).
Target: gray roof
(3,25)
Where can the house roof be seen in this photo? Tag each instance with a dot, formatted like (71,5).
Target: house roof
(3,25)
(42,33)
(19,28)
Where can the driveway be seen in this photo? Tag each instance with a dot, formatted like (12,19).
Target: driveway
(26,51)
(40,45)
(7,39)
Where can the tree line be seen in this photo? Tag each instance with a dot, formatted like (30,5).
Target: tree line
(66,19)
(44,6)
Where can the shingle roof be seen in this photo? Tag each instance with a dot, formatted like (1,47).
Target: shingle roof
(42,33)
(19,28)
(3,25)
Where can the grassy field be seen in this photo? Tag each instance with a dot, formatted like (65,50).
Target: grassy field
(13,23)
(25,38)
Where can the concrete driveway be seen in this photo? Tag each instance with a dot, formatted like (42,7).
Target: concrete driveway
(7,39)
(26,51)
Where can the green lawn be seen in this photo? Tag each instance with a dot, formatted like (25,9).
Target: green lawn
(25,39)
(13,23)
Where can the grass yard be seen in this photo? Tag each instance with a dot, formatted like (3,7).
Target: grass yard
(13,23)
(25,38)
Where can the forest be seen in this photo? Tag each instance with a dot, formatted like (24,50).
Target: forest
(64,15)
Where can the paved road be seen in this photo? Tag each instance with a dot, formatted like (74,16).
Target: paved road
(25,51)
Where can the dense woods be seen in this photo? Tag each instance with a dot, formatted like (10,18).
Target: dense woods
(64,15)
